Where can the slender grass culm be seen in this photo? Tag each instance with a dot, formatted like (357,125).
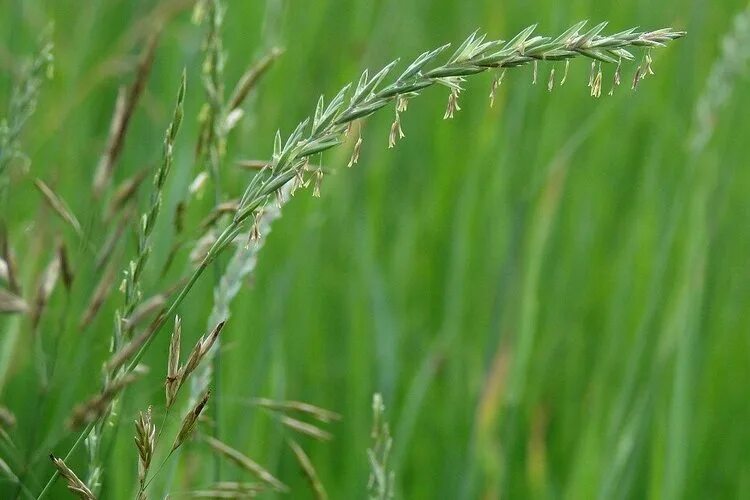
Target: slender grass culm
(243,222)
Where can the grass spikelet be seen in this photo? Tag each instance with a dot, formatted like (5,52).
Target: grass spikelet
(145,441)
(199,352)
(189,422)
(59,206)
(297,406)
(309,470)
(125,192)
(66,270)
(7,419)
(101,292)
(144,310)
(11,303)
(227,489)
(47,282)
(251,77)
(246,463)
(172,382)
(105,252)
(305,428)
(91,410)
(8,262)
(126,103)
(74,483)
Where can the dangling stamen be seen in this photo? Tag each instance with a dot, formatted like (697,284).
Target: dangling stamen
(637,77)
(551,81)
(596,87)
(355,153)
(452,104)
(496,82)
(318,180)
(617,78)
(565,75)
(649,69)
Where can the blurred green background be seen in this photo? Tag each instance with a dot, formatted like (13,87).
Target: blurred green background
(552,295)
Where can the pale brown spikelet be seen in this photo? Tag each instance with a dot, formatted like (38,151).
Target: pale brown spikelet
(101,292)
(47,283)
(124,108)
(7,419)
(110,242)
(202,246)
(74,483)
(190,420)
(11,303)
(297,406)
(199,351)
(252,164)
(246,463)
(126,192)
(178,221)
(144,310)
(308,469)
(145,441)
(172,382)
(128,350)
(251,77)
(92,409)
(65,268)
(3,270)
(59,206)
(305,428)
(9,267)
(224,208)
(229,489)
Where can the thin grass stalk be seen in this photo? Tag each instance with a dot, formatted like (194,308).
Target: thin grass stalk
(213,143)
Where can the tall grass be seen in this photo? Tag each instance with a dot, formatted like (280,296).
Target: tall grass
(516,283)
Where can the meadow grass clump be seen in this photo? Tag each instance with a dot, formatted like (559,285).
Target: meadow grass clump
(242,222)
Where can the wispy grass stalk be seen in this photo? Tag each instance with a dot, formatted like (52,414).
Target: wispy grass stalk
(22,105)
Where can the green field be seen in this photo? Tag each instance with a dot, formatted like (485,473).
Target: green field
(552,295)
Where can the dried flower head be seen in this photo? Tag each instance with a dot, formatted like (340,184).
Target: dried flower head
(74,483)
(190,420)
(145,441)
